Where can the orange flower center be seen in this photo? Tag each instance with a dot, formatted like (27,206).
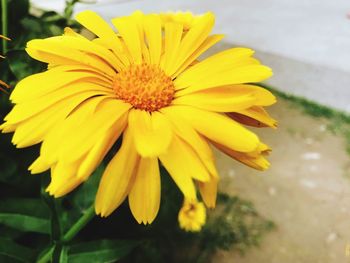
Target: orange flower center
(144,86)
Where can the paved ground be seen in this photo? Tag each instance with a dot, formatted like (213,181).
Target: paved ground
(306,192)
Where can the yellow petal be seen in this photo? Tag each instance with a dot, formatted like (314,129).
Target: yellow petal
(152,27)
(25,110)
(128,28)
(254,116)
(49,150)
(118,178)
(209,42)
(34,129)
(144,197)
(63,179)
(193,39)
(216,100)
(101,148)
(185,131)
(100,28)
(172,39)
(152,132)
(208,191)
(238,75)
(217,127)
(48,50)
(227,59)
(182,164)
(43,83)
(253,159)
(77,143)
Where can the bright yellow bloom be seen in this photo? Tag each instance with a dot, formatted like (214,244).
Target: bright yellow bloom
(192,216)
(140,84)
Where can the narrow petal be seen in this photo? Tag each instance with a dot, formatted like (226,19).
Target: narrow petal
(209,42)
(152,132)
(185,131)
(216,101)
(193,39)
(221,61)
(63,179)
(98,151)
(208,191)
(254,116)
(40,84)
(77,143)
(153,33)
(172,39)
(218,128)
(52,52)
(144,196)
(243,74)
(182,164)
(254,159)
(118,178)
(100,28)
(128,28)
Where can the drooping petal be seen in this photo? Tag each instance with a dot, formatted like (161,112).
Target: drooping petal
(152,132)
(218,128)
(254,159)
(183,164)
(118,178)
(208,191)
(144,196)
(77,143)
(185,131)
(63,179)
(254,116)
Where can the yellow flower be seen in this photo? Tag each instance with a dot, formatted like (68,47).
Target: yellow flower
(192,216)
(141,84)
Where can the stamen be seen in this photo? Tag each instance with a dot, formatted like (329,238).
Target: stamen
(144,86)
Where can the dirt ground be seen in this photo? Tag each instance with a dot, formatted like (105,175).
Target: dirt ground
(306,192)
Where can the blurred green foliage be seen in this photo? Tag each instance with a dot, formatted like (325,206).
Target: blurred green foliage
(32,222)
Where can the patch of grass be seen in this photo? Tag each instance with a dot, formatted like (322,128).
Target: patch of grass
(339,122)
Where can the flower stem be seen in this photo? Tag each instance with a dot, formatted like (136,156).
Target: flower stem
(4,25)
(89,214)
(72,232)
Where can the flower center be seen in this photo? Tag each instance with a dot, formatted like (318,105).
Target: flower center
(144,86)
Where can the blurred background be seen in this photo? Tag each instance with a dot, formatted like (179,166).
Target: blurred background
(305,194)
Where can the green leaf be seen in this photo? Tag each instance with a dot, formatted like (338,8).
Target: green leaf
(101,251)
(25,223)
(14,252)
(28,206)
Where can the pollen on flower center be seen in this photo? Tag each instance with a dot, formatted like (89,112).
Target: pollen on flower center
(144,86)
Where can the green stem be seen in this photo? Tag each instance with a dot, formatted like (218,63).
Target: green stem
(72,232)
(4,25)
(89,214)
